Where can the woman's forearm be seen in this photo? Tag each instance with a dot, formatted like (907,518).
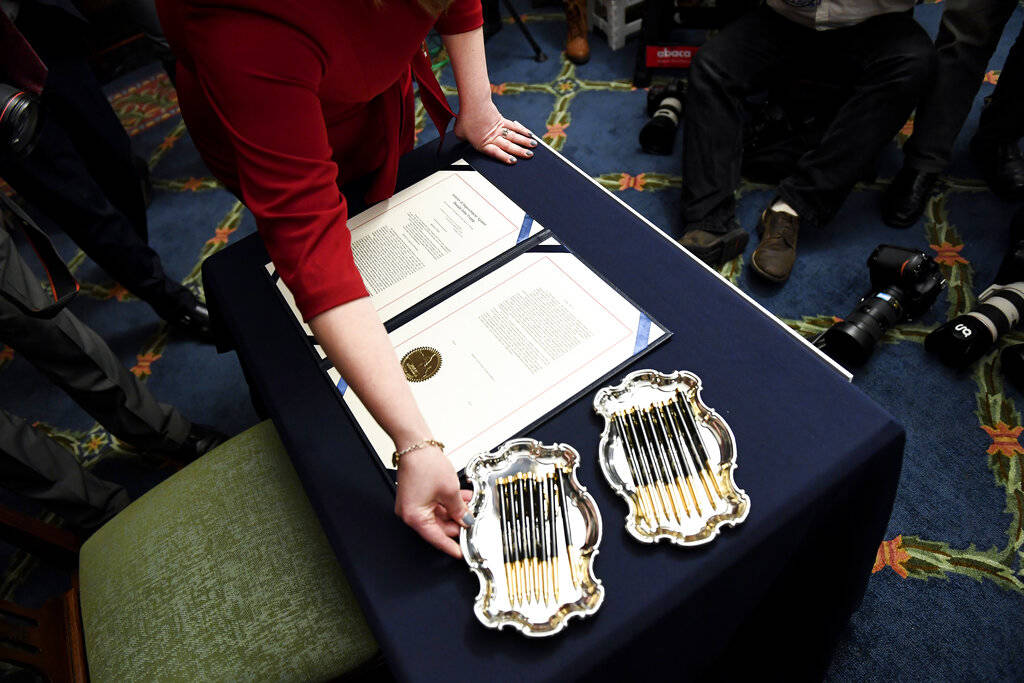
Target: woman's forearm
(469,64)
(356,343)
(428,498)
(479,120)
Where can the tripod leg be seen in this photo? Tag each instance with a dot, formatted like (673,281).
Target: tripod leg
(538,54)
(492,18)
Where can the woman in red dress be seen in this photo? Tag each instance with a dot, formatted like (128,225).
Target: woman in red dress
(287,101)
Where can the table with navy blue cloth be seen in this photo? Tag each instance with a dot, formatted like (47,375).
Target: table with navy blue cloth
(819,460)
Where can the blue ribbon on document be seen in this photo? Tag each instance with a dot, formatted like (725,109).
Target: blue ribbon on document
(643,334)
(524,231)
(342,386)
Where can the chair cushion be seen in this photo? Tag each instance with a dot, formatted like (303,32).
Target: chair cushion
(221,572)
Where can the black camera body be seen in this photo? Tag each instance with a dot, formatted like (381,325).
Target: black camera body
(904,284)
(19,120)
(665,105)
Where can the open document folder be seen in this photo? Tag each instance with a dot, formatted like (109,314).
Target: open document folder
(501,325)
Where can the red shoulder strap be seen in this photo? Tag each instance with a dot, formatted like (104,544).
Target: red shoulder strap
(433,99)
(17,58)
(63,286)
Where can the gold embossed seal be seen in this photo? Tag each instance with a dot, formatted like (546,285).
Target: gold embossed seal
(421,363)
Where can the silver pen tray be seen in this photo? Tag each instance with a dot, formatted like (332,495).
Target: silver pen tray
(670,457)
(535,538)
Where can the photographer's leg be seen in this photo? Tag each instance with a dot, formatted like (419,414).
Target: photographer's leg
(38,468)
(56,182)
(968,35)
(82,175)
(77,360)
(1003,118)
(895,57)
(75,99)
(732,65)
(995,148)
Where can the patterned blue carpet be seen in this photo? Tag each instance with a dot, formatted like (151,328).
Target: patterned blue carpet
(945,599)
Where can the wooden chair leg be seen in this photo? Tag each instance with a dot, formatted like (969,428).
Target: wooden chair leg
(48,640)
(42,539)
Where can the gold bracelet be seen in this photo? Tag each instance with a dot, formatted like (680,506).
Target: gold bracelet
(397,455)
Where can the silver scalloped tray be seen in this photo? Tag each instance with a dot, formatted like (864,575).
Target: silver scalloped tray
(537,598)
(671,458)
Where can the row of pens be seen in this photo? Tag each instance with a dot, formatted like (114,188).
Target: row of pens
(533,510)
(665,453)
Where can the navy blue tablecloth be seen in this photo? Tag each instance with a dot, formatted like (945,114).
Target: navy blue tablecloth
(819,460)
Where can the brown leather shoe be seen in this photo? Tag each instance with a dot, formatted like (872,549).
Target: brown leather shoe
(774,257)
(576,47)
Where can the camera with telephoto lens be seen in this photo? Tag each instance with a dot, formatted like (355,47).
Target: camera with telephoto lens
(665,105)
(968,337)
(904,284)
(19,120)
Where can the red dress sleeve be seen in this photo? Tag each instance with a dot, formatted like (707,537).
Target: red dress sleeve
(461,16)
(262,85)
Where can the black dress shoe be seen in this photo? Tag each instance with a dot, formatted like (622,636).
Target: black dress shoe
(200,440)
(715,248)
(193,320)
(905,200)
(1002,166)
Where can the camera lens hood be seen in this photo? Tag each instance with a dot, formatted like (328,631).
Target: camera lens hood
(961,341)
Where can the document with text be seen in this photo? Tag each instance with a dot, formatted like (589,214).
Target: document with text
(510,349)
(429,235)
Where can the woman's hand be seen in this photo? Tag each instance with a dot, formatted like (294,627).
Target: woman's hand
(429,499)
(479,121)
(491,133)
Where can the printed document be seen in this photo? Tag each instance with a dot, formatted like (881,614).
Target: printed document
(508,350)
(428,236)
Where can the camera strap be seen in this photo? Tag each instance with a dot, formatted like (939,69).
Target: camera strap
(22,65)
(63,285)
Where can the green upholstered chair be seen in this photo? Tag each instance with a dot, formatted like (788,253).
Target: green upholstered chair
(221,572)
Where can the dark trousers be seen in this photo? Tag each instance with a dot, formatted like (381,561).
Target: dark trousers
(77,360)
(888,57)
(968,35)
(82,174)
(1002,120)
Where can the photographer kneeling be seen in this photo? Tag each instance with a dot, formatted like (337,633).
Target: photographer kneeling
(891,56)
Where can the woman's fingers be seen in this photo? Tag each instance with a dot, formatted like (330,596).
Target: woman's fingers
(456,507)
(522,141)
(517,134)
(520,128)
(508,142)
(433,534)
(450,528)
(494,150)
(505,150)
